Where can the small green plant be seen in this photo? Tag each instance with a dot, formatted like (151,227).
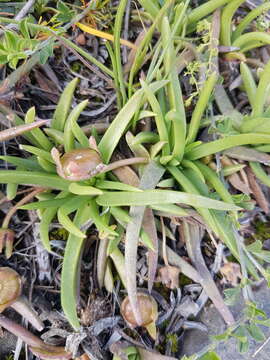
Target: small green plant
(16,47)
(9,357)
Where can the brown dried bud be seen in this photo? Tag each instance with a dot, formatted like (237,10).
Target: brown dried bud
(147,307)
(169,276)
(6,240)
(10,287)
(80,39)
(78,164)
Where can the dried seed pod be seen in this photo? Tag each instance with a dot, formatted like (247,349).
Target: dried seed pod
(77,164)
(10,295)
(10,287)
(148,309)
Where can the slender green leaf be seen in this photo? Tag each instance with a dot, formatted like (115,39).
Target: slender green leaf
(156,197)
(99,220)
(115,185)
(71,269)
(211,355)
(262,91)
(84,189)
(117,128)
(68,224)
(260,173)
(170,209)
(226,143)
(44,204)
(62,109)
(72,118)
(28,164)
(203,101)
(249,82)
(38,152)
(39,136)
(226,21)
(248,19)
(46,220)
(33,178)
(46,165)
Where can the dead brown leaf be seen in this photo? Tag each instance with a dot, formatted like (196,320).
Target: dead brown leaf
(257,191)
(231,272)
(235,179)
(150,227)
(125,173)
(238,184)
(247,154)
(47,86)
(169,276)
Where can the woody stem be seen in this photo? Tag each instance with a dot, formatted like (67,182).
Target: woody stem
(13,210)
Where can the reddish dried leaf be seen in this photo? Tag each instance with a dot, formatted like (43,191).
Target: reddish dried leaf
(47,86)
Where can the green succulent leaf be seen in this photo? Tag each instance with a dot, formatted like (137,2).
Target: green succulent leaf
(211,355)
(156,197)
(117,128)
(71,269)
(34,178)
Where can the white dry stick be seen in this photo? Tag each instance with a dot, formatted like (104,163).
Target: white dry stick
(42,257)
(261,347)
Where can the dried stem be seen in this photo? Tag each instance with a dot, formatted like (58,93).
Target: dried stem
(23,307)
(124,162)
(24,200)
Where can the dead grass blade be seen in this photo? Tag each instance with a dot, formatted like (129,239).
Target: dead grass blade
(193,236)
(257,191)
(150,178)
(149,226)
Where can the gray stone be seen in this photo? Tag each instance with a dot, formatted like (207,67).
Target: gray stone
(196,340)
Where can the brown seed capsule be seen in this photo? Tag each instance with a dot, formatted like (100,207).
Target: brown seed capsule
(10,295)
(78,164)
(10,287)
(148,309)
